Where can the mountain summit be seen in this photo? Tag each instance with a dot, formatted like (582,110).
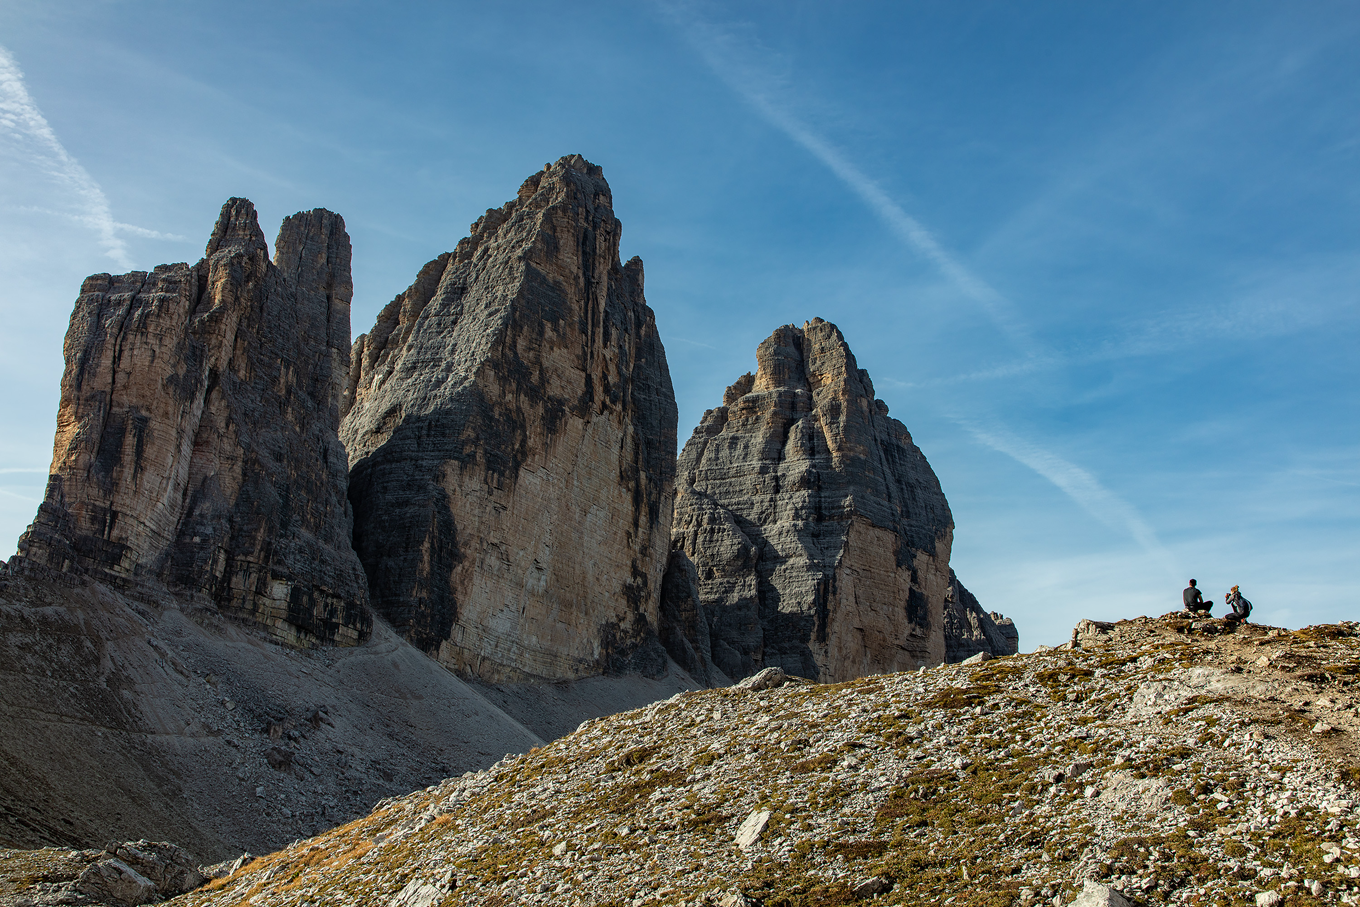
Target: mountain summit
(511,435)
(818,533)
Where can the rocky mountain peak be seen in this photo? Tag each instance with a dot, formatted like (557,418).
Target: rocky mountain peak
(818,531)
(511,435)
(196,440)
(237,230)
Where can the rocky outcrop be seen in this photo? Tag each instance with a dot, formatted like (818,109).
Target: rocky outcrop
(818,530)
(139,872)
(511,435)
(969,630)
(197,433)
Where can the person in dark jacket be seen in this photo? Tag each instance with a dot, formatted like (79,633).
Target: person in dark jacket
(1194,599)
(1241,608)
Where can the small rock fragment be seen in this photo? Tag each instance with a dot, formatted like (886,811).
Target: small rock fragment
(279,758)
(1268,899)
(876,885)
(1094,894)
(735,898)
(418,894)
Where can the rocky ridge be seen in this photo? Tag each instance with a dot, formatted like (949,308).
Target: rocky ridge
(511,434)
(968,629)
(1149,761)
(196,441)
(817,531)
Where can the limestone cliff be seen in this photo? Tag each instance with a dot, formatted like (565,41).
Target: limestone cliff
(968,629)
(818,530)
(197,432)
(511,435)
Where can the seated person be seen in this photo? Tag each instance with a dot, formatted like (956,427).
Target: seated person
(1194,599)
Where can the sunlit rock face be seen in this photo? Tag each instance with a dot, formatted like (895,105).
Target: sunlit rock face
(197,439)
(818,531)
(511,434)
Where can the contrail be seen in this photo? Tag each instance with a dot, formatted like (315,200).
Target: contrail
(1081,487)
(731,62)
(20,115)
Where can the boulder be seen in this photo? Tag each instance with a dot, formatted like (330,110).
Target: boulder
(197,441)
(766,679)
(752,828)
(511,437)
(115,883)
(818,530)
(168,867)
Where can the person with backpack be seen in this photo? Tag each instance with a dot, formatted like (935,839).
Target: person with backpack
(1241,608)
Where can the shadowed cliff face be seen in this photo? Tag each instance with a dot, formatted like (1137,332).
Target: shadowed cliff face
(968,629)
(511,435)
(196,438)
(818,530)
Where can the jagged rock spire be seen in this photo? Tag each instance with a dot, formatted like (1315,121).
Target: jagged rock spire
(196,437)
(511,432)
(818,530)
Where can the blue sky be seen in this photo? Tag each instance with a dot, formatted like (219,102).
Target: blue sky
(1102,260)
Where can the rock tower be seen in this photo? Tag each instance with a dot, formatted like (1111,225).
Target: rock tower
(197,439)
(818,532)
(511,435)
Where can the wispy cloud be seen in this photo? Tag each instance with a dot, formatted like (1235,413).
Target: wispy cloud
(1303,298)
(1082,487)
(95,223)
(20,116)
(749,69)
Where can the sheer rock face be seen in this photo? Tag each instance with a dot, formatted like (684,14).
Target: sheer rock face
(511,435)
(684,629)
(197,433)
(969,630)
(818,530)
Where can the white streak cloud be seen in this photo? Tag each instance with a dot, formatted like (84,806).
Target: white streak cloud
(738,64)
(20,117)
(1082,487)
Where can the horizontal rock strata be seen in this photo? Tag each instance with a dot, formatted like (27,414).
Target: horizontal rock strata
(511,435)
(197,433)
(818,531)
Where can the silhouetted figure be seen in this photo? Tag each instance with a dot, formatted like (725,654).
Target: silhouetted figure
(1194,599)
(1241,608)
